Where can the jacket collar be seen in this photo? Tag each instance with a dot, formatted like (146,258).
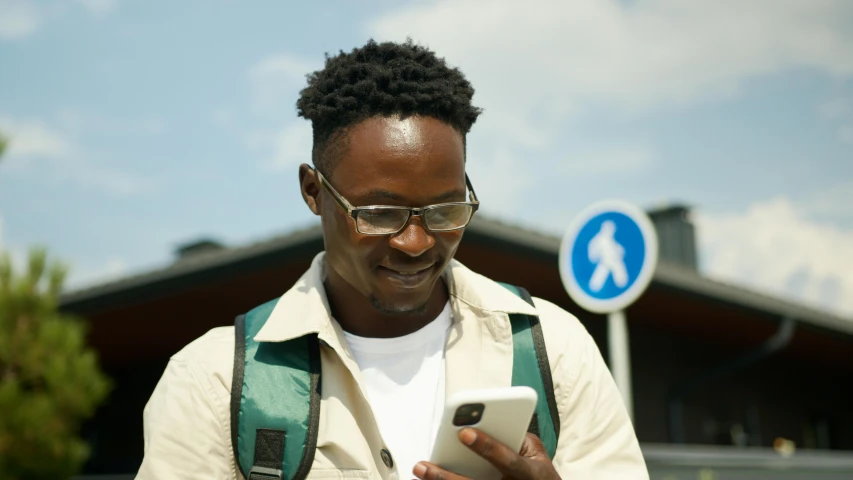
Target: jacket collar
(305,309)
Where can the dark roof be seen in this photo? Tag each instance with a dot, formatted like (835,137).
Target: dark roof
(198,247)
(544,245)
(669,209)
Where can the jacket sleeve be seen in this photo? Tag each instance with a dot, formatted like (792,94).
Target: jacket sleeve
(597,439)
(185,434)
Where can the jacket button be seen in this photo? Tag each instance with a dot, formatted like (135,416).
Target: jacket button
(386,458)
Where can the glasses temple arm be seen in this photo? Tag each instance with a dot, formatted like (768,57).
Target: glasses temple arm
(471,189)
(337,196)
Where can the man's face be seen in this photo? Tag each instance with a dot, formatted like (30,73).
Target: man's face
(414,162)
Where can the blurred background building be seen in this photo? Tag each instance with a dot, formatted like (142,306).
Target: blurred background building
(725,379)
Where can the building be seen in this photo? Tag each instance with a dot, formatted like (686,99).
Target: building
(714,364)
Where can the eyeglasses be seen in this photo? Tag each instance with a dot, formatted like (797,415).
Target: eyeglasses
(390,219)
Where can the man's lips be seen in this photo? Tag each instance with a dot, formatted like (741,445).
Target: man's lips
(408,269)
(408,277)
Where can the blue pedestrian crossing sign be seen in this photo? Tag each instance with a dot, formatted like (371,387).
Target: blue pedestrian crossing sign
(608,256)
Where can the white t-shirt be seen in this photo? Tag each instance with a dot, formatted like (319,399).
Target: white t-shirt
(404,380)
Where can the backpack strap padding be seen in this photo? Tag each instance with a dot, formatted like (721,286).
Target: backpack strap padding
(530,367)
(276,388)
(237,383)
(313,410)
(544,363)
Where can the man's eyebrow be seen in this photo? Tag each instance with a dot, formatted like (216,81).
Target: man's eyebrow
(385,194)
(450,195)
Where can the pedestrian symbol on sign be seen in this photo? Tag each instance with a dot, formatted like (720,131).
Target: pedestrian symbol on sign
(608,255)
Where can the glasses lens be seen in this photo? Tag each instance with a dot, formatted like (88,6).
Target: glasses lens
(448,217)
(381,221)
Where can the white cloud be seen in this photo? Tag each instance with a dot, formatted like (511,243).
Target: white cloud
(554,57)
(22,18)
(282,66)
(99,7)
(18,19)
(832,200)
(499,184)
(275,83)
(840,110)
(540,65)
(81,121)
(774,247)
(34,143)
(287,148)
(81,276)
(34,138)
(839,107)
(845,133)
(608,161)
(115,182)
(278,79)
(223,118)
(293,145)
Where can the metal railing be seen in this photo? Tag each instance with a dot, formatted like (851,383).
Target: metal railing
(702,462)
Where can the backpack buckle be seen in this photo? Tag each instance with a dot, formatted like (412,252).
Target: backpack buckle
(264,473)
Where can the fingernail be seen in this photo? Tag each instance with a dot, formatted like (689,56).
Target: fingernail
(468,436)
(419,470)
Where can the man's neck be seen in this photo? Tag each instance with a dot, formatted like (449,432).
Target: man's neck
(358,316)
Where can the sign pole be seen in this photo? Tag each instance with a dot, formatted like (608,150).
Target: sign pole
(608,257)
(620,357)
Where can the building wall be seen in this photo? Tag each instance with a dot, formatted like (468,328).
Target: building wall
(776,397)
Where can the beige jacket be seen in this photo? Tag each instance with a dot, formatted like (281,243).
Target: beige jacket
(187,420)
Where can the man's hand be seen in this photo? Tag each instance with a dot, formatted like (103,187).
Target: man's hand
(532,463)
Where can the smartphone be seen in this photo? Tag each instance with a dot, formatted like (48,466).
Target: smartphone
(502,413)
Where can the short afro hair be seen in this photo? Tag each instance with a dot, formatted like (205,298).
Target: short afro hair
(381,79)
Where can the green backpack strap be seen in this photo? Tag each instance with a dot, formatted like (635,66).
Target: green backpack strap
(530,367)
(275,401)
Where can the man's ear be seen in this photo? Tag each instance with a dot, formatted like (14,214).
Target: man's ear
(309,185)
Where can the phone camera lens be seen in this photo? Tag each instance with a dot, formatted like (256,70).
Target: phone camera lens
(468,414)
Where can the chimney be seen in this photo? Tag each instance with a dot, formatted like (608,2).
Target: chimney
(676,235)
(197,248)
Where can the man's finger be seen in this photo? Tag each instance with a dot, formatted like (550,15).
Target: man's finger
(502,457)
(429,471)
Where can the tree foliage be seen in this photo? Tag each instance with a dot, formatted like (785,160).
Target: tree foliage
(50,382)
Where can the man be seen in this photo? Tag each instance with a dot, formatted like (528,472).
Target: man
(401,324)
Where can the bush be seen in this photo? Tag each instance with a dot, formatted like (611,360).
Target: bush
(50,382)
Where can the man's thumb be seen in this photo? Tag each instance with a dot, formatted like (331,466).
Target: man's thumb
(532,447)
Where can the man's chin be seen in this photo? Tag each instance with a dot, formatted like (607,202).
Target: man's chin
(394,308)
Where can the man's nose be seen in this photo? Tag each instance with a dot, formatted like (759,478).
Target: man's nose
(414,239)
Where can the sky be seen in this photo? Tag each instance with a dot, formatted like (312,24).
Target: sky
(137,126)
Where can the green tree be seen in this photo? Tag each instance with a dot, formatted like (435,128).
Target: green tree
(3,142)
(50,382)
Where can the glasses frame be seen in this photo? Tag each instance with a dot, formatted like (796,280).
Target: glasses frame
(353,211)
